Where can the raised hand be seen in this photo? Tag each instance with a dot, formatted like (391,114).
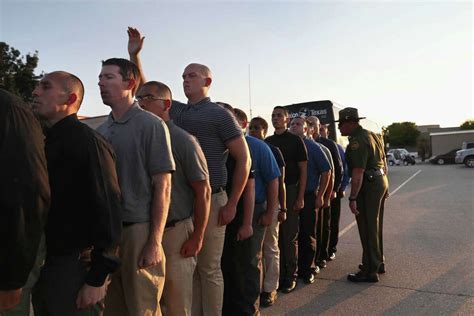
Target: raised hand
(135,41)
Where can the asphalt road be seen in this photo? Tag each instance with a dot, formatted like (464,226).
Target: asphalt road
(428,245)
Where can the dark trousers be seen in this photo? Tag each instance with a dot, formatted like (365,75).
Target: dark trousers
(370,204)
(334,224)
(323,231)
(307,236)
(288,239)
(59,283)
(242,266)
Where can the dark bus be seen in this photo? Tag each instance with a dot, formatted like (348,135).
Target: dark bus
(327,112)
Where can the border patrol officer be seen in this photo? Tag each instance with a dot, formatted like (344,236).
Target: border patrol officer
(367,167)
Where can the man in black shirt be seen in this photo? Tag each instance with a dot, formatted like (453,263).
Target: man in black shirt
(24,196)
(85,202)
(296,158)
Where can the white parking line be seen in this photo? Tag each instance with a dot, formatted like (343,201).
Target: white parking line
(348,227)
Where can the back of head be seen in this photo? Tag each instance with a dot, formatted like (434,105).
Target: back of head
(127,69)
(261,121)
(71,84)
(161,89)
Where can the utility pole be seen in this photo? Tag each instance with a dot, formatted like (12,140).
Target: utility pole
(250,97)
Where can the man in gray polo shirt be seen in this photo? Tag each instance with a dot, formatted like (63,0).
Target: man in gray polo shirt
(144,165)
(190,197)
(219,134)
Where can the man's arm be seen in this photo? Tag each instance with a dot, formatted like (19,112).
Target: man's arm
(135,45)
(299,203)
(239,150)
(329,190)
(323,185)
(356,184)
(151,254)
(202,205)
(248,199)
(282,195)
(272,204)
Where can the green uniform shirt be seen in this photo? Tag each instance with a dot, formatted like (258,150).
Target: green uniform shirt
(365,150)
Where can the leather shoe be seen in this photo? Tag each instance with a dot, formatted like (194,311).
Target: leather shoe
(289,287)
(268,298)
(381,268)
(321,264)
(332,256)
(363,277)
(309,279)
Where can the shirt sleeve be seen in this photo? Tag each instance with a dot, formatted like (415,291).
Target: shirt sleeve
(228,127)
(359,153)
(268,164)
(302,153)
(322,162)
(106,224)
(194,160)
(157,145)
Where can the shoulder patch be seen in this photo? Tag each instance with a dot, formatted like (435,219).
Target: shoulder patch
(354,145)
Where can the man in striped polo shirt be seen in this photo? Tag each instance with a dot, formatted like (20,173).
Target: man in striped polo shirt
(218,134)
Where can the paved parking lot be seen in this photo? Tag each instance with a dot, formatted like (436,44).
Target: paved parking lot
(429,249)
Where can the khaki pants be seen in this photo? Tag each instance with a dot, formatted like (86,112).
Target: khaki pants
(208,283)
(178,291)
(271,256)
(135,291)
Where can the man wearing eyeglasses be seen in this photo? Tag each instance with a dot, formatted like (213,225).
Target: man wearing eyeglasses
(144,165)
(190,203)
(219,135)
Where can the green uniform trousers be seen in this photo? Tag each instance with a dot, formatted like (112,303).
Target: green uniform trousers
(370,206)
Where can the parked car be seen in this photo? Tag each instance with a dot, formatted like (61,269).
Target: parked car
(466,154)
(445,158)
(400,156)
(403,151)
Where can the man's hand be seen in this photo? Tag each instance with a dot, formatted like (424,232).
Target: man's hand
(90,295)
(265,219)
(245,231)
(9,299)
(151,255)
(281,216)
(135,41)
(299,204)
(191,247)
(226,214)
(353,206)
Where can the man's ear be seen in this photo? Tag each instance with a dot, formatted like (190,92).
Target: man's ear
(131,83)
(208,82)
(244,124)
(71,99)
(167,104)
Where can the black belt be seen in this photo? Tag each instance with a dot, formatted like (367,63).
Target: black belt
(218,190)
(174,222)
(126,224)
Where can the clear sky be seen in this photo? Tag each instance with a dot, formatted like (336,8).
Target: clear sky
(394,60)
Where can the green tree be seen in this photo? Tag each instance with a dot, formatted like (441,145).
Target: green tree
(402,134)
(468,124)
(17,72)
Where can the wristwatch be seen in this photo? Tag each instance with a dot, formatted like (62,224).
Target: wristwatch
(284,210)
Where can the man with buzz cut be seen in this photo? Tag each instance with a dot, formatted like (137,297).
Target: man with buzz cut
(144,165)
(219,135)
(319,172)
(84,219)
(296,158)
(190,199)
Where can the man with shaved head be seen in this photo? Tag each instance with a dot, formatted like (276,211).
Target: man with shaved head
(219,135)
(83,222)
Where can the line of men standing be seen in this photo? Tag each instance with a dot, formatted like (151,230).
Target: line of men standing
(139,209)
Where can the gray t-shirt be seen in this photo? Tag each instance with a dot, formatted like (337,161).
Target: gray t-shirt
(191,166)
(142,144)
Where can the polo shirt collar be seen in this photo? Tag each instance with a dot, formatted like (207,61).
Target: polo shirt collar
(200,104)
(134,110)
